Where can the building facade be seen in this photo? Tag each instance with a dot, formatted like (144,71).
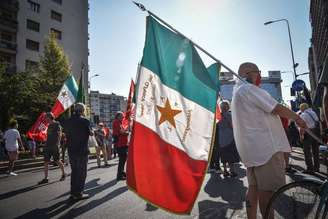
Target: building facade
(105,106)
(272,84)
(8,33)
(26,24)
(318,51)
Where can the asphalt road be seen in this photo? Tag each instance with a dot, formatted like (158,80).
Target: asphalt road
(21,197)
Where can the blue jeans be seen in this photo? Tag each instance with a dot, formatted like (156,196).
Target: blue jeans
(79,173)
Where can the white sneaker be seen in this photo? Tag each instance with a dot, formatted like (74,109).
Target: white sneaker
(13,174)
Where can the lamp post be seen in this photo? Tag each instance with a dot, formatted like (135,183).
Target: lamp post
(95,75)
(290,42)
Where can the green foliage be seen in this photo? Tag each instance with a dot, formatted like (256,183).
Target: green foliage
(18,97)
(23,96)
(54,68)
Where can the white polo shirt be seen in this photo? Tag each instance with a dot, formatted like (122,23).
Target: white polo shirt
(258,133)
(310,117)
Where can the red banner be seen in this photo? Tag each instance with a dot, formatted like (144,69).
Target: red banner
(38,131)
(129,113)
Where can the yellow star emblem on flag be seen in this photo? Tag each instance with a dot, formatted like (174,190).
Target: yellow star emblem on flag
(167,113)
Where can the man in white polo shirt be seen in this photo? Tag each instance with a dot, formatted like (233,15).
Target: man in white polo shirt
(310,145)
(260,137)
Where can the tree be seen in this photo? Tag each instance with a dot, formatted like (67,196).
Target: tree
(18,97)
(54,68)
(24,95)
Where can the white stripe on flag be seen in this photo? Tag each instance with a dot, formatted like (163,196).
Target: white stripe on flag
(65,97)
(194,125)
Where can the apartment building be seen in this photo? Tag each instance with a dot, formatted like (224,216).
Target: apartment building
(105,106)
(8,33)
(318,52)
(26,24)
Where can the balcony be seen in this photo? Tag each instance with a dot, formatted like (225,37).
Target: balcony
(8,46)
(8,22)
(9,5)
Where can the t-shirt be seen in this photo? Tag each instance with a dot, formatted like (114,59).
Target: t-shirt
(122,137)
(225,130)
(53,135)
(258,133)
(100,137)
(77,130)
(11,138)
(116,127)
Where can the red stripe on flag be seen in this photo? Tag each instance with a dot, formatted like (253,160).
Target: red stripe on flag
(57,109)
(161,173)
(218,115)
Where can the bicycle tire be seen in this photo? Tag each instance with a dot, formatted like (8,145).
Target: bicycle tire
(294,200)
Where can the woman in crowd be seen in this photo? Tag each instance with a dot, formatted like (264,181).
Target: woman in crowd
(227,147)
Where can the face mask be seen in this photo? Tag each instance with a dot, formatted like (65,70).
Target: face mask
(258,80)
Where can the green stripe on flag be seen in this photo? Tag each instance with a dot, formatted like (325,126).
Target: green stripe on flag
(72,85)
(179,66)
(214,71)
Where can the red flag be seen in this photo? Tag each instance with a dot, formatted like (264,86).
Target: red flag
(218,113)
(39,130)
(129,113)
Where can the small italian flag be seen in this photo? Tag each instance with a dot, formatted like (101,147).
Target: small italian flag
(67,96)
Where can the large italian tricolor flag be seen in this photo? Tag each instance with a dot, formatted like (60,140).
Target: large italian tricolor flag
(66,97)
(174,121)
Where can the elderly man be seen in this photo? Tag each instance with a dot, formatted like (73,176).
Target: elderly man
(310,145)
(77,129)
(260,137)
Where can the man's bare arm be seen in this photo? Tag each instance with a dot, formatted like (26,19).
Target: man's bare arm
(283,111)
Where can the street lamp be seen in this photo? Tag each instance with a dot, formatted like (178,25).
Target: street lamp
(290,42)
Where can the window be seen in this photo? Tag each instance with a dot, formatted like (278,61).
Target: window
(34,6)
(58,1)
(32,25)
(56,33)
(56,16)
(30,64)
(32,45)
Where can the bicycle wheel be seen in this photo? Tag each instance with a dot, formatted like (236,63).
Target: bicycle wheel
(296,200)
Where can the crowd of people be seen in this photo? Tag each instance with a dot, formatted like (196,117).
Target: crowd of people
(76,135)
(257,130)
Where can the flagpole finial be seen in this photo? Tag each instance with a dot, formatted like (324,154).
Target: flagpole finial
(141,6)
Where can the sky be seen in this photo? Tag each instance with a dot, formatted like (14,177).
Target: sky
(231,30)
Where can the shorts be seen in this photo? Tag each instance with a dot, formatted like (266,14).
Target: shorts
(51,152)
(270,176)
(13,155)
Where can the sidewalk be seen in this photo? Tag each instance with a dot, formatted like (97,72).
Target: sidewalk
(25,162)
(296,161)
